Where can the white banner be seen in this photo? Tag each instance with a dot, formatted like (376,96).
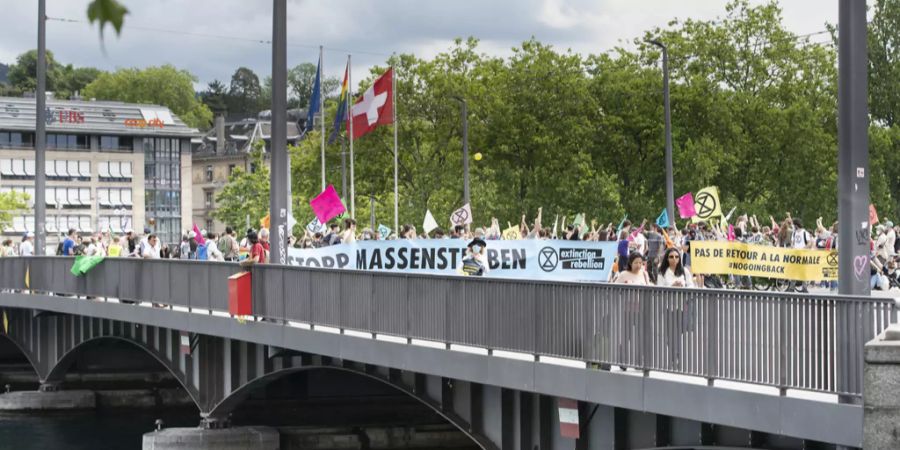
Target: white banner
(527,259)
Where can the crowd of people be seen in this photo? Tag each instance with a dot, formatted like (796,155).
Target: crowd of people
(646,253)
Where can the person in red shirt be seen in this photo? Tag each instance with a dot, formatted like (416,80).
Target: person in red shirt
(257,252)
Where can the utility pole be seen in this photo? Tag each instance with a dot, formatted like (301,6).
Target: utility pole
(670,177)
(40,136)
(853,150)
(278,190)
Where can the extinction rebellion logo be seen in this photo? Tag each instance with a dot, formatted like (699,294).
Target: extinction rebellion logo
(571,259)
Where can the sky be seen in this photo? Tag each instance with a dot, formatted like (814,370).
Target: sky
(370,30)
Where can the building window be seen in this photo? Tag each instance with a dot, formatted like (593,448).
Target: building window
(209,199)
(252,167)
(209,173)
(231,169)
(67,141)
(13,139)
(116,143)
(209,226)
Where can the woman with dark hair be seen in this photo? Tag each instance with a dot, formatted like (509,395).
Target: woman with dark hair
(633,272)
(671,272)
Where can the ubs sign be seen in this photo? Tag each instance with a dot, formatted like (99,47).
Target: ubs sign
(64,116)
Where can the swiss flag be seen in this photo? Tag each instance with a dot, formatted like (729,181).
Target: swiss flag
(375,107)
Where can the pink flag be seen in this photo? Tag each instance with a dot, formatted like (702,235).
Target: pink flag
(731,235)
(327,205)
(685,205)
(198,237)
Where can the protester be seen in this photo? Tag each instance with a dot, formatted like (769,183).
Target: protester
(634,272)
(26,248)
(671,272)
(212,249)
(151,249)
(228,245)
(115,248)
(68,246)
(257,252)
(474,261)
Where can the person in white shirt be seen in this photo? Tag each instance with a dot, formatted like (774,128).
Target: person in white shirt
(671,272)
(91,249)
(27,246)
(212,248)
(151,248)
(890,238)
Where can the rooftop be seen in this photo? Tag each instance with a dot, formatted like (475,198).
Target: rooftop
(107,117)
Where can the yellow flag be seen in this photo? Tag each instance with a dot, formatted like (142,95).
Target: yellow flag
(265,221)
(5,323)
(28,277)
(512,233)
(707,205)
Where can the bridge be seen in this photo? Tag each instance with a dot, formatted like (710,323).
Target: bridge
(643,366)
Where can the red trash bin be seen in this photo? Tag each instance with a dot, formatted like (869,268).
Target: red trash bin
(240,294)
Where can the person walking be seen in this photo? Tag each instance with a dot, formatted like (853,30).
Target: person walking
(228,245)
(26,248)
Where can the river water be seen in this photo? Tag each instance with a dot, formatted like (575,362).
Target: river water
(94,430)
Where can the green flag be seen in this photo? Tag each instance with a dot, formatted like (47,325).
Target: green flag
(83,264)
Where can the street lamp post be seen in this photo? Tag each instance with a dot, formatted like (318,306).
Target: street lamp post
(465,143)
(40,135)
(278,189)
(670,183)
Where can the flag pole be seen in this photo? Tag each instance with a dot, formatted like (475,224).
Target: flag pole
(350,119)
(396,191)
(322,110)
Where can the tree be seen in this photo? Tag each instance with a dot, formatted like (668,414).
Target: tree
(9,203)
(163,85)
(243,93)
(215,97)
(75,79)
(884,62)
(23,74)
(301,79)
(247,193)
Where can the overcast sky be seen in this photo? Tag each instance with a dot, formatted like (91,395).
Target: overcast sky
(369,29)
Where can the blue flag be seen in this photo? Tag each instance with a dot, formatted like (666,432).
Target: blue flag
(342,107)
(663,219)
(314,98)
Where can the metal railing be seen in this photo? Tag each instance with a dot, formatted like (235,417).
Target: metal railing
(789,341)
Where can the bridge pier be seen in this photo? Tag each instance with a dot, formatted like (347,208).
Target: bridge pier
(237,438)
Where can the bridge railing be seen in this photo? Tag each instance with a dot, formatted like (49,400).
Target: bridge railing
(788,341)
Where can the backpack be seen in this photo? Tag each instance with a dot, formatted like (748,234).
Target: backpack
(225,245)
(202,254)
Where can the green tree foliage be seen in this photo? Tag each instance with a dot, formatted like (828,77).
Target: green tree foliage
(753,108)
(247,193)
(11,202)
(244,92)
(163,85)
(215,97)
(63,80)
(23,74)
(301,79)
(107,12)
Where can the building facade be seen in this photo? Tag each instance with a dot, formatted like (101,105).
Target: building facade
(111,166)
(224,148)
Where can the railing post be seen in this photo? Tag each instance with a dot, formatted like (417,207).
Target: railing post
(712,341)
(782,346)
(645,297)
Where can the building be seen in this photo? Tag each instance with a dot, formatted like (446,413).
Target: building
(225,147)
(110,166)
